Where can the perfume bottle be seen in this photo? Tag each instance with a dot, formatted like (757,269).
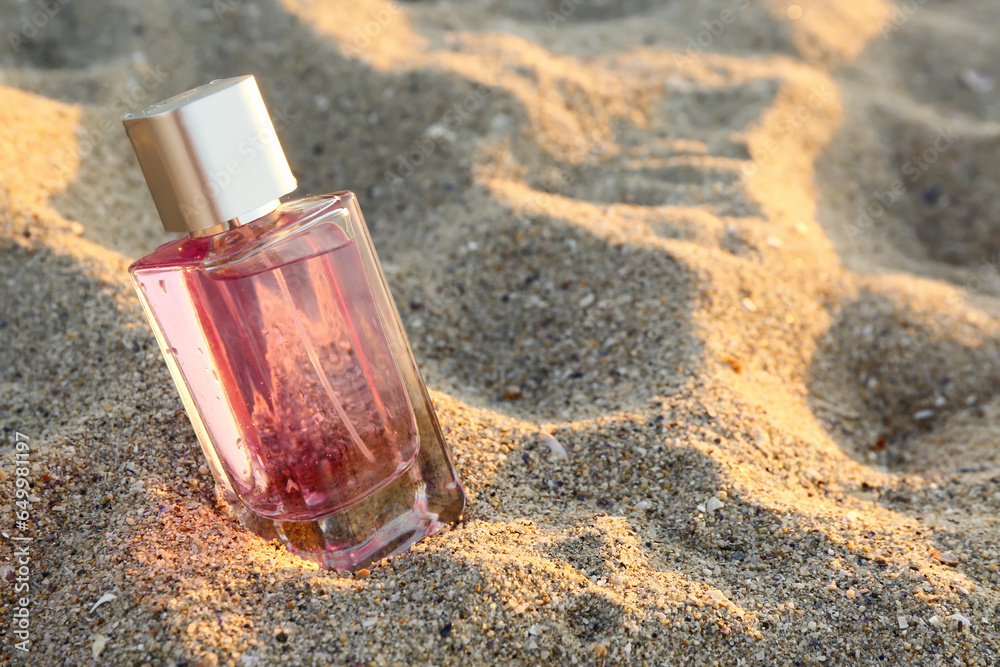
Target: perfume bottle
(283,340)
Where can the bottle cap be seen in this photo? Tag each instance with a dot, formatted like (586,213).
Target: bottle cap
(210,156)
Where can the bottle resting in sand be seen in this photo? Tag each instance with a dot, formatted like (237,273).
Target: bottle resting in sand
(283,340)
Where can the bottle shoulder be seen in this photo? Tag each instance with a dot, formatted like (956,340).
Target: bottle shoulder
(324,219)
(185,251)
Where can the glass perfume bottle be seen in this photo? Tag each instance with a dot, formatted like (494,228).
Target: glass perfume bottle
(283,340)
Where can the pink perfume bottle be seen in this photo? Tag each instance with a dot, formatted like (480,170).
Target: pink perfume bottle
(283,340)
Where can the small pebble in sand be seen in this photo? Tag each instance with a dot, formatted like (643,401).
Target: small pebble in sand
(100,641)
(713,505)
(976,81)
(107,597)
(512,393)
(963,622)
(555,447)
(362,573)
(945,558)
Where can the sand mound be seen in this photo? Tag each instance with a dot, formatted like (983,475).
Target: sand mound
(736,259)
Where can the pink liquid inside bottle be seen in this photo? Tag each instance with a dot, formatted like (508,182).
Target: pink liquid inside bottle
(289,354)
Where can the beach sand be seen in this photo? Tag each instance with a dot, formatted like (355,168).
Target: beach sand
(737,259)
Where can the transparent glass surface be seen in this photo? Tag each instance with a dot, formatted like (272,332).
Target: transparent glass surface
(293,365)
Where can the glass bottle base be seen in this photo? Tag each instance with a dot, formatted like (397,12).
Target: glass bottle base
(382,525)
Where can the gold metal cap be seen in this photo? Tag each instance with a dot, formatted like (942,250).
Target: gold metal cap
(210,156)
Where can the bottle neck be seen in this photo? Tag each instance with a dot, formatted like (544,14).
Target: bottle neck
(246,218)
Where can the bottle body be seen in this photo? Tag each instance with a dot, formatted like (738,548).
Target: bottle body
(293,365)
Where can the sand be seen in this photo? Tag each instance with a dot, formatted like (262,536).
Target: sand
(710,313)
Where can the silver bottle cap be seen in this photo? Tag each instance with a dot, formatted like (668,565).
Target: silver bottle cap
(210,156)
